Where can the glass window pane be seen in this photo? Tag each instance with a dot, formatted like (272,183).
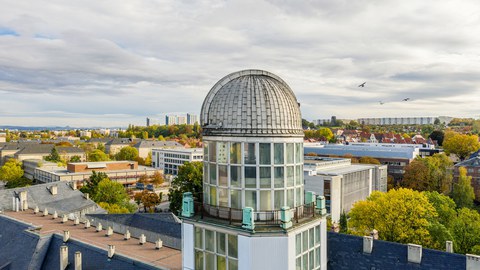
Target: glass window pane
(317,257)
(250,177)
(249,154)
(251,199)
(212,152)
(304,241)
(199,238)
(236,176)
(199,260)
(222,175)
(310,260)
(210,240)
(232,246)
(236,199)
(232,264)
(206,194)
(221,263)
(264,149)
(265,177)
(290,153)
(279,177)
(310,238)
(223,197)
(298,153)
(235,153)
(265,200)
(209,260)
(298,175)
(290,179)
(205,151)
(278,153)
(305,261)
(213,196)
(213,174)
(205,173)
(299,199)
(221,243)
(279,200)
(298,244)
(222,152)
(290,197)
(299,263)
(317,235)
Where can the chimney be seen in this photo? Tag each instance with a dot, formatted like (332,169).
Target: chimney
(158,244)
(109,231)
(36,210)
(53,190)
(473,262)
(335,227)
(367,244)
(66,236)
(73,185)
(449,246)
(142,239)
(99,227)
(64,218)
(55,215)
(126,236)
(374,234)
(45,212)
(111,251)
(87,224)
(76,221)
(23,200)
(86,196)
(78,260)
(414,253)
(63,257)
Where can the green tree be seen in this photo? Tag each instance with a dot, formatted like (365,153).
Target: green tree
(150,200)
(91,184)
(75,159)
(127,153)
(110,192)
(21,182)
(343,223)
(461,145)
(325,132)
(114,208)
(462,192)
(54,156)
(444,206)
(429,174)
(101,147)
(438,136)
(97,155)
(148,159)
(189,179)
(11,170)
(400,215)
(439,234)
(466,230)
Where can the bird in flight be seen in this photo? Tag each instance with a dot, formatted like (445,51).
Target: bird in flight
(406,99)
(362,84)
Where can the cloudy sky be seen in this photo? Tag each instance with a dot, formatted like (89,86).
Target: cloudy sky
(111,63)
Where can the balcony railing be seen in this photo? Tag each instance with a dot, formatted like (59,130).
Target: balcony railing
(270,217)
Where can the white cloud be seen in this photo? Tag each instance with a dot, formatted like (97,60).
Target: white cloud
(118,62)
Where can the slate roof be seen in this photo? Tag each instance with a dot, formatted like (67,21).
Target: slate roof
(161,223)
(65,201)
(121,141)
(359,151)
(472,162)
(154,144)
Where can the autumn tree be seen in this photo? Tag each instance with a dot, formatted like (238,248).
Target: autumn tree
(11,170)
(189,179)
(127,153)
(466,230)
(157,178)
(343,223)
(148,159)
(462,192)
(91,184)
(97,155)
(75,159)
(461,145)
(429,174)
(110,192)
(400,215)
(369,160)
(148,199)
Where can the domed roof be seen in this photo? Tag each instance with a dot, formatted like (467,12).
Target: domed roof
(251,103)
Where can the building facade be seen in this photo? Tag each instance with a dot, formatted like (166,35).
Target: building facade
(253,182)
(169,160)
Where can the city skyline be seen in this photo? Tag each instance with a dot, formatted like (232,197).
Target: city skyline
(113,64)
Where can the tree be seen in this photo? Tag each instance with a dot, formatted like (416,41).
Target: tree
(127,153)
(460,144)
(438,136)
(75,159)
(11,170)
(343,223)
(157,178)
(444,206)
(54,156)
(21,182)
(325,133)
(462,192)
(114,208)
(465,230)
(369,160)
(149,200)
(189,179)
(97,155)
(148,159)
(400,215)
(429,174)
(110,192)
(91,184)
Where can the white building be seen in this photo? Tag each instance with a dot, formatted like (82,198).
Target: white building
(169,160)
(254,213)
(397,121)
(192,119)
(343,183)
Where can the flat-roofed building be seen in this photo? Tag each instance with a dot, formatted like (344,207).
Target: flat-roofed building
(169,160)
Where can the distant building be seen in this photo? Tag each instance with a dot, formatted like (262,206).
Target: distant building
(124,172)
(148,122)
(35,150)
(192,119)
(343,183)
(3,137)
(85,133)
(145,147)
(473,169)
(170,120)
(112,147)
(169,160)
(397,121)
(181,120)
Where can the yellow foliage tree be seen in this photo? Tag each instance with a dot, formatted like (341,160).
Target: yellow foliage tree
(461,145)
(400,215)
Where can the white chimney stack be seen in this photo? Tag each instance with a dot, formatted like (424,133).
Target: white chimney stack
(126,236)
(76,221)
(109,231)
(64,218)
(374,234)
(99,227)
(66,236)
(45,212)
(449,246)
(55,215)
(36,210)
(78,260)
(367,244)
(63,257)
(74,185)
(142,239)
(53,190)
(473,262)
(86,196)
(87,224)
(159,244)
(414,253)
(111,251)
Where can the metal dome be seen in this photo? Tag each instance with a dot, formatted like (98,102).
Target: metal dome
(251,103)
